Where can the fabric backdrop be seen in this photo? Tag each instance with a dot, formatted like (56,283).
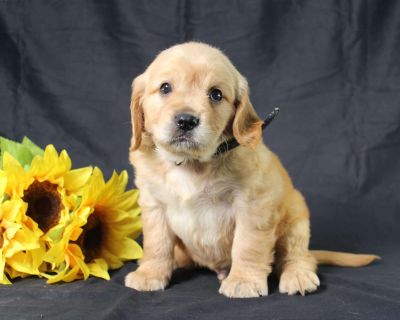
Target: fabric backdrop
(333,67)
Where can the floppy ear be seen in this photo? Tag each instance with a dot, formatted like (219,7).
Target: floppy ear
(137,114)
(247,126)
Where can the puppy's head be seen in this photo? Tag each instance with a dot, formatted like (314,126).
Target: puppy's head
(189,100)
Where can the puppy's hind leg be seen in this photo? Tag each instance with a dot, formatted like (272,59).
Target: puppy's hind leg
(182,257)
(296,265)
(183,260)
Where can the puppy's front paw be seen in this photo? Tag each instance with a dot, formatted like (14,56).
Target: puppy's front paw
(302,281)
(143,281)
(240,287)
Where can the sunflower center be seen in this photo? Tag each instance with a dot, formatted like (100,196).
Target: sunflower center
(44,204)
(92,237)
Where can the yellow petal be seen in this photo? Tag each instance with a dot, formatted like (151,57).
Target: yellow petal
(75,234)
(58,276)
(71,275)
(126,249)
(11,209)
(113,261)
(136,229)
(51,167)
(125,201)
(10,229)
(9,162)
(56,254)
(93,188)
(98,268)
(65,160)
(3,184)
(3,277)
(17,179)
(116,185)
(74,180)
(127,227)
(76,254)
(13,248)
(12,274)
(26,262)
(28,240)
(112,215)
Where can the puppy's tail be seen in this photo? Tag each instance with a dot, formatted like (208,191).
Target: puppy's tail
(343,259)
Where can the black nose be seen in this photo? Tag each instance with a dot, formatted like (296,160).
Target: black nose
(186,122)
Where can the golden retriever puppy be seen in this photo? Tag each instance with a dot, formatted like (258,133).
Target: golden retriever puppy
(236,213)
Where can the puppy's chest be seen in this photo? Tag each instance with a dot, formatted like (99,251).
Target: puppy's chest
(200,225)
(201,213)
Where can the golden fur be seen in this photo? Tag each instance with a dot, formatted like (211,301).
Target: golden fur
(237,213)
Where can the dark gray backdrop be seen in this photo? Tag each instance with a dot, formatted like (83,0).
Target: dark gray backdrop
(333,67)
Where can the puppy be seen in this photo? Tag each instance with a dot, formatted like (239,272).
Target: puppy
(236,213)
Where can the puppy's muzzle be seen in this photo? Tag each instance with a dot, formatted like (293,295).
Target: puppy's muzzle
(186,122)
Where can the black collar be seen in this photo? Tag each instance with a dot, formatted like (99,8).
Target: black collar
(231,144)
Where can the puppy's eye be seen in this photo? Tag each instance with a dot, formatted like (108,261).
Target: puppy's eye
(215,95)
(165,88)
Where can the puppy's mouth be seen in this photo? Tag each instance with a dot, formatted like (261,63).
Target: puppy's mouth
(184,141)
(182,146)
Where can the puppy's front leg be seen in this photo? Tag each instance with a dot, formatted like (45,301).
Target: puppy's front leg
(156,266)
(252,255)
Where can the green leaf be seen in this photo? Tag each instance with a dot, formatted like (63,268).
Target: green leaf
(17,150)
(22,152)
(56,233)
(35,149)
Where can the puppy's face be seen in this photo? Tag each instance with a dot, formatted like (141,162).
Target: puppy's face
(188,101)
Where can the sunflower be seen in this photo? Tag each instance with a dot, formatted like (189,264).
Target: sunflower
(59,223)
(102,232)
(49,191)
(49,186)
